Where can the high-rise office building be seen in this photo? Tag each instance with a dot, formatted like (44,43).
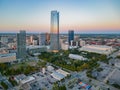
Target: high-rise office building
(31,39)
(4,39)
(54,35)
(21,44)
(47,38)
(82,43)
(0,42)
(70,36)
(42,39)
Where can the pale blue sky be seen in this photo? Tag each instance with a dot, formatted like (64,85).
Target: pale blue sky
(80,15)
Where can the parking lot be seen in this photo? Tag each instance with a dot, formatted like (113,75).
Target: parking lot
(42,81)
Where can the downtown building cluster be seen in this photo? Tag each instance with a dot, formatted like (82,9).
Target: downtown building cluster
(52,42)
(24,46)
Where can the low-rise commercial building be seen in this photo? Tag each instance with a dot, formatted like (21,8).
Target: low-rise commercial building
(8,57)
(76,57)
(63,72)
(115,78)
(4,51)
(117,64)
(101,49)
(22,79)
(32,50)
(59,74)
(50,68)
(27,79)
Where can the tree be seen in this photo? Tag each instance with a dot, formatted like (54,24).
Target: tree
(62,87)
(3,66)
(4,85)
(118,56)
(13,82)
(55,86)
(116,85)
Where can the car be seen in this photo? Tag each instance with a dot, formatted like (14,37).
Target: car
(38,74)
(1,88)
(79,87)
(41,75)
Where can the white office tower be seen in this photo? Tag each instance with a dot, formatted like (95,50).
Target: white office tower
(64,44)
(31,39)
(71,43)
(35,42)
(82,43)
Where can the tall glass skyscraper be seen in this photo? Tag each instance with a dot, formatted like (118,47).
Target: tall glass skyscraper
(70,36)
(42,39)
(21,44)
(54,35)
(0,42)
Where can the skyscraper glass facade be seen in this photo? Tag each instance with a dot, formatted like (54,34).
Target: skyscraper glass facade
(21,44)
(54,35)
(70,36)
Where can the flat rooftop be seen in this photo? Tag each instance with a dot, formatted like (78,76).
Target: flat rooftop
(7,55)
